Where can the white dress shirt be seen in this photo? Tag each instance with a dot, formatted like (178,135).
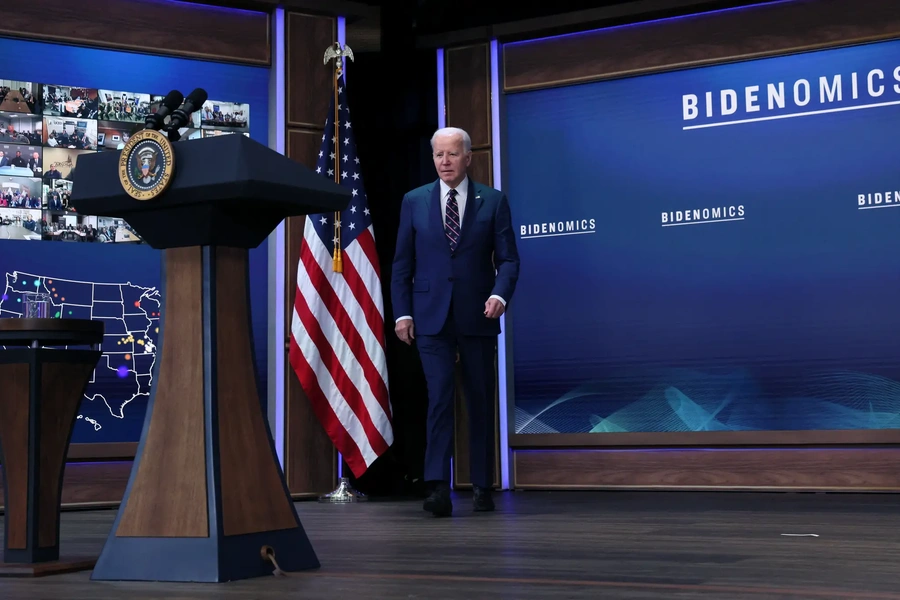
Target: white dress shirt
(462,194)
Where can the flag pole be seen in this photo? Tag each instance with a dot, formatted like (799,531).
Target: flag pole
(344,493)
(337,259)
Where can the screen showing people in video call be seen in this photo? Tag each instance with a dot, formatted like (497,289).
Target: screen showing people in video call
(45,127)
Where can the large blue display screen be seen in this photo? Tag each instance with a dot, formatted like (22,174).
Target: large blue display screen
(57,102)
(710,249)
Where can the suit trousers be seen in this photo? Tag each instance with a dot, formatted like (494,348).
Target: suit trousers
(476,356)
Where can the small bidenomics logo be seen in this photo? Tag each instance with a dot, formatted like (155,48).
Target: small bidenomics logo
(704,216)
(557,228)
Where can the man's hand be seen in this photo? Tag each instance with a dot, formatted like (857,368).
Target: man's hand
(405,330)
(493,308)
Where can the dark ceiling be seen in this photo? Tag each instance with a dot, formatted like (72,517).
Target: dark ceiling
(437,16)
(441,16)
(431,22)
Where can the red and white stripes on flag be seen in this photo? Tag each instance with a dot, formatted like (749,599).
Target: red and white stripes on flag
(337,344)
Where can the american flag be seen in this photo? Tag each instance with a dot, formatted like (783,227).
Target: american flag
(337,330)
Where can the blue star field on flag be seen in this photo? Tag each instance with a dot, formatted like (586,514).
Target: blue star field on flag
(357,217)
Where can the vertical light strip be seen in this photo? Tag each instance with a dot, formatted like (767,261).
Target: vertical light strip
(442,122)
(342,40)
(501,340)
(276,250)
(442,115)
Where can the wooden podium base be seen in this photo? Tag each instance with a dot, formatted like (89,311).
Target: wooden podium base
(56,567)
(40,392)
(206,493)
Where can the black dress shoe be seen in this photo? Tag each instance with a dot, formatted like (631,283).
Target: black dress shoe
(438,503)
(482,501)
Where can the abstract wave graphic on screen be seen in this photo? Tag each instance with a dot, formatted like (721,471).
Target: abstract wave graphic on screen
(696,401)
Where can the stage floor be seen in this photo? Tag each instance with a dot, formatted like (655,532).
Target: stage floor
(630,545)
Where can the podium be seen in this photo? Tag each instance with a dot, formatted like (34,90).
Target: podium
(206,496)
(40,393)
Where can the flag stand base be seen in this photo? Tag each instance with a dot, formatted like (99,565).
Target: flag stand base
(343,494)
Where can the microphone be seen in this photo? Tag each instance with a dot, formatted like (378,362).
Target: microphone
(170,103)
(182,115)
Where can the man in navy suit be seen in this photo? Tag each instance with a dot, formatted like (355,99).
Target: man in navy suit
(455,271)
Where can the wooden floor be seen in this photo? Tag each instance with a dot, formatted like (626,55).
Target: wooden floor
(630,545)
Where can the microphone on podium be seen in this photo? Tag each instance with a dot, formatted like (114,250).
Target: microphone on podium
(169,104)
(182,115)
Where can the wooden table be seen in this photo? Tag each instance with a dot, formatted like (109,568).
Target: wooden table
(40,392)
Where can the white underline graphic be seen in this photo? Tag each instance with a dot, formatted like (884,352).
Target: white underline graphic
(878,206)
(528,237)
(791,116)
(702,222)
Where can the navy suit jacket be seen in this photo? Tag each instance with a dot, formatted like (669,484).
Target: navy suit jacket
(426,276)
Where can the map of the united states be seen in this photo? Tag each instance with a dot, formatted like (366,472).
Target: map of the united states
(130,314)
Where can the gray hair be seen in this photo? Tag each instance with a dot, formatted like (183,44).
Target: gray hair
(450,131)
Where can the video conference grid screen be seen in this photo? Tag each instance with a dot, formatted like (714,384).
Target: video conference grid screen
(44,128)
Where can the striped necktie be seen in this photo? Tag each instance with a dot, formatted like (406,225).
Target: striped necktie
(451,225)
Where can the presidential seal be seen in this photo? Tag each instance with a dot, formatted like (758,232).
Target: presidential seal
(146,164)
